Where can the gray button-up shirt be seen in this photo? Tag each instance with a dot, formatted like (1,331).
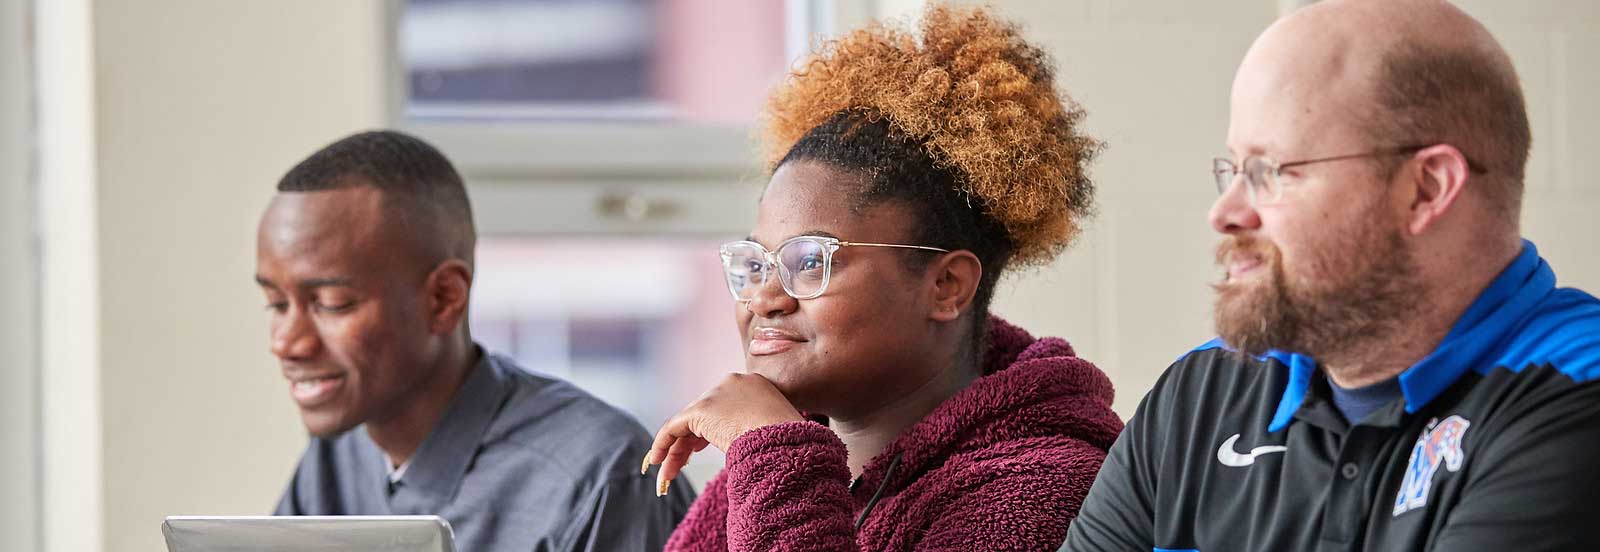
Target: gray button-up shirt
(518,462)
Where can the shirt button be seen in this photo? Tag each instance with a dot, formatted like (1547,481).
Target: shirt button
(1349,471)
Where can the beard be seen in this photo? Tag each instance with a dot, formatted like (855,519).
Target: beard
(1358,287)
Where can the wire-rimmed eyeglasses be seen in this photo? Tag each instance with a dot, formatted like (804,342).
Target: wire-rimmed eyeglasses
(804,264)
(1263,174)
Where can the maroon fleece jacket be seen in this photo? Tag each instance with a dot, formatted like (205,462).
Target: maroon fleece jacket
(1002,465)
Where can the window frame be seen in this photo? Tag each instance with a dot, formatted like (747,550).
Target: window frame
(19,286)
(615,178)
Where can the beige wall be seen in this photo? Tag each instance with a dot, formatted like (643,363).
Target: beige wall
(1556,48)
(196,107)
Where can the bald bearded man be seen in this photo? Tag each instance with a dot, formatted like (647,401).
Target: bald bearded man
(366,260)
(1396,368)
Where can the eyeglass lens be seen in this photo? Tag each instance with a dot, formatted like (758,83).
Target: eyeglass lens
(1260,177)
(802,267)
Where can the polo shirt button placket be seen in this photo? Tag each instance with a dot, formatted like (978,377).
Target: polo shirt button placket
(1346,512)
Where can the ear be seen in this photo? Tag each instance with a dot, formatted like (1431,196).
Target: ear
(448,288)
(1438,178)
(955,282)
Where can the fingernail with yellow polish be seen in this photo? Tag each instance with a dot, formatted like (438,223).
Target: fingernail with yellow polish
(661,485)
(645,467)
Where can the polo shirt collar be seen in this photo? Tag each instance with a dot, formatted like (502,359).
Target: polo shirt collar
(1478,332)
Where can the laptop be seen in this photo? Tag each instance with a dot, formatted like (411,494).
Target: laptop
(308,533)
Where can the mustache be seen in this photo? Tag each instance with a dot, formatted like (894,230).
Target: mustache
(1233,246)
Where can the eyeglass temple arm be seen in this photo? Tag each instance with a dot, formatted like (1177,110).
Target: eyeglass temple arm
(923,247)
(1400,150)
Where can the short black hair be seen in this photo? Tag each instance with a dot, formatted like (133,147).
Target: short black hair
(415,178)
(899,169)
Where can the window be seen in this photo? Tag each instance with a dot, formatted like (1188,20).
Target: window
(606,146)
(620,60)
(531,89)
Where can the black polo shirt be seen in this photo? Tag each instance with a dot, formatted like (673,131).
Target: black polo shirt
(1495,444)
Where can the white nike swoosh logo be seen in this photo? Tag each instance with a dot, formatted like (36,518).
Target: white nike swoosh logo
(1229,458)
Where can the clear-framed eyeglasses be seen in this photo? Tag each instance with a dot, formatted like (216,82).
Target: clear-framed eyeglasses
(1263,175)
(804,264)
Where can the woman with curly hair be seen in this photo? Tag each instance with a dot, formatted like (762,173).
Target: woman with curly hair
(883,408)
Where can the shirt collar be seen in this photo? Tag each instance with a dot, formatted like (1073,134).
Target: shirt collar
(395,472)
(434,473)
(1479,331)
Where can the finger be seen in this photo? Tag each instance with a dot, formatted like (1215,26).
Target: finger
(677,427)
(677,457)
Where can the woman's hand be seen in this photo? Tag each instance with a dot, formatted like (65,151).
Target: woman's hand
(737,404)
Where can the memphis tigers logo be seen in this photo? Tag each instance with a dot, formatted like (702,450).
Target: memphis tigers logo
(1439,445)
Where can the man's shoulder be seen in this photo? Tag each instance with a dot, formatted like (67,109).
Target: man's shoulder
(544,399)
(1213,366)
(558,421)
(1215,382)
(1561,333)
